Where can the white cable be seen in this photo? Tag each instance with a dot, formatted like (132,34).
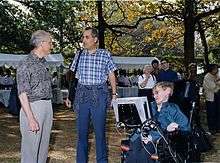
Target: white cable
(146,148)
(174,156)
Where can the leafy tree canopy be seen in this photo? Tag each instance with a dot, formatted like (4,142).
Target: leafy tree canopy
(150,28)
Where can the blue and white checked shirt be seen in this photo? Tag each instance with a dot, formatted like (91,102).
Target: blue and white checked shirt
(93,69)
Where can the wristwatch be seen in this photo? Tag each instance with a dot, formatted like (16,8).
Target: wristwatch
(114,94)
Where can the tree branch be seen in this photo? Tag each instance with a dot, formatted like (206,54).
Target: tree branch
(205,14)
(123,13)
(133,26)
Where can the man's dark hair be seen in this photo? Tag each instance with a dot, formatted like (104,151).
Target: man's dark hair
(154,61)
(211,67)
(94,31)
(164,59)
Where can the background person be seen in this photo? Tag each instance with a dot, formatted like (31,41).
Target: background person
(8,78)
(95,66)
(186,91)
(155,64)
(134,78)
(146,82)
(35,93)
(166,74)
(55,82)
(123,79)
(2,81)
(211,86)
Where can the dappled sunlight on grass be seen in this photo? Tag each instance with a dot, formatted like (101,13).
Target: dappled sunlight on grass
(12,135)
(59,155)
(13,127)
(63,119)
(56,131)
(9,156)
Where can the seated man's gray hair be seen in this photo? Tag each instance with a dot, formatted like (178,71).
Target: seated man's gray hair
(164,85)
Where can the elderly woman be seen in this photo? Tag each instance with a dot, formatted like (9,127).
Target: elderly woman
(146,82)
(35,93)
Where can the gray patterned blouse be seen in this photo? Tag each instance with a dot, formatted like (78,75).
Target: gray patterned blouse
(34,78)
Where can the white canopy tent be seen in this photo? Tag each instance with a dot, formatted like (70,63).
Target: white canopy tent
(13,60)
(54,62)
(132,62)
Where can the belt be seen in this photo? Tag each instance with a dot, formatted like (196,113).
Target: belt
(92,87)
(45,99)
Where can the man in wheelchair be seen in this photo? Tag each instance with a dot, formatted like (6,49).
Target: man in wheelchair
(166,118)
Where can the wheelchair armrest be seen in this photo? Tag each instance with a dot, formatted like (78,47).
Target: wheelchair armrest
(181,136)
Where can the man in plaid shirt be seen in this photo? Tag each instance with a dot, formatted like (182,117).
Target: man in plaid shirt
(95,67)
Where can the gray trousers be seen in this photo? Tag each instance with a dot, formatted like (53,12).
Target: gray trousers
(34,146)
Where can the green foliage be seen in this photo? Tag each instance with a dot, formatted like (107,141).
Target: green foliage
(146,28)
(58,17)
(13,28)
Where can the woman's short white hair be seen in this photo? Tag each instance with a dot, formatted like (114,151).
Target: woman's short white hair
(147,66)
(38,37)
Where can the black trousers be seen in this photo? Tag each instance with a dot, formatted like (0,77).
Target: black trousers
(213,114)
(217,101)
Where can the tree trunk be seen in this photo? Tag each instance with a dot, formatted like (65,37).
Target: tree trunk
(204,43)
(101,25)
(189,24)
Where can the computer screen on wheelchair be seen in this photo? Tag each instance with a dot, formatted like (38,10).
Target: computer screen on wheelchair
(132,111)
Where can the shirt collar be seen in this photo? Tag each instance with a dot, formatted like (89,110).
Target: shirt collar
(95,53)
(154,105)
(36,58)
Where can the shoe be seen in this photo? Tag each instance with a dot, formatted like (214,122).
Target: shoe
(208,133)
(213,132)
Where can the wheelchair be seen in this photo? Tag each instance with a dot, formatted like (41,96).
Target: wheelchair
(133,116)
